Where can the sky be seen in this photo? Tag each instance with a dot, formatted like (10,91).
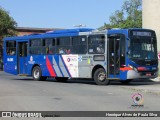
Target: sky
(61,13)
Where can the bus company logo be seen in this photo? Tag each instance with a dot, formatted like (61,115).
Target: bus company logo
(31,60)
(79,58)
(68,60)
(137,100)
(72,59)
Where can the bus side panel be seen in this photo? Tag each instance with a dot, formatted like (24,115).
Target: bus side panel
(48,66)
(60,66)
(29,65)
(52,65)
(10,64)
(84,66)
(10,59)
(69,64)
(22,65)
(38,60)
(123,75)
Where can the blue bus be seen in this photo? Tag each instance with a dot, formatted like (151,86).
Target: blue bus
(116,54)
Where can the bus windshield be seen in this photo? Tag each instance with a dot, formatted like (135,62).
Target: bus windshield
(142,48)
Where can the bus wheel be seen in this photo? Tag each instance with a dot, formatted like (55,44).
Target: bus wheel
(100,77)
(61,79)
(125,82)
(37,73)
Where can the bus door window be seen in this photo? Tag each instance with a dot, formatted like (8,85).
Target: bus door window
(114,53)
(22,56)
(111,55)
(22,52)
(117,53)
(122,50)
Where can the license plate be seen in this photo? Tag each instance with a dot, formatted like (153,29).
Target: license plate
(148,74)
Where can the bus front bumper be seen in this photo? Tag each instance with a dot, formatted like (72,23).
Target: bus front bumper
(131,74)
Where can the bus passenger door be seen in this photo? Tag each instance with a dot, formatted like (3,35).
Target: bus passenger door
(113,56)
(22,56)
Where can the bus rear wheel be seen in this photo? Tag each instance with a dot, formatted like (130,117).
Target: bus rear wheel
(100,77)
(61,79)
(37,74)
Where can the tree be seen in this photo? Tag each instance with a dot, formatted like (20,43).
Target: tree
(7,28)
(106,26)
(7,24)
(130,16)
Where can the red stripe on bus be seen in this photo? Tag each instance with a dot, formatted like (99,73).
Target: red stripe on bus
(125,68)
(50,68)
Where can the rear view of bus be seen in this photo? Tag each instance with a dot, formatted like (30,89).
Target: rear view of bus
(142,54)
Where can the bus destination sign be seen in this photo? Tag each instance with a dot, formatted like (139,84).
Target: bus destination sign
(141,33)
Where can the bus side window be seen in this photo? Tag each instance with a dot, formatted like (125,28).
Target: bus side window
(68,51)
(96,44)
(50,45)
(36,46)
(61,51)
(11,47)
(63,44)
(79,45)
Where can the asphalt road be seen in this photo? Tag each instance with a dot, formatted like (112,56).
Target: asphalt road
(19,93)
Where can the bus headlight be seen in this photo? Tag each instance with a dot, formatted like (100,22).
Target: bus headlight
(131,67)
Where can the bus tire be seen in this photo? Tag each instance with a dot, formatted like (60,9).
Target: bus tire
(100,77)
(125,82)
(61,79)
(37,74)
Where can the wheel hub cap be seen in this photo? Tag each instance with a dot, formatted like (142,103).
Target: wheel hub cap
(36,73)
(101,76)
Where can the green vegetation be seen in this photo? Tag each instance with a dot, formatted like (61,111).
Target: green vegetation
(7,24)
(130,16)
(7,28)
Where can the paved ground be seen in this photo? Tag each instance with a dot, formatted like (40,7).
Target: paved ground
(23,94)
(148,86)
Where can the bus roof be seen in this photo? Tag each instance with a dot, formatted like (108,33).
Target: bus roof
(69,32)
(56,33)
